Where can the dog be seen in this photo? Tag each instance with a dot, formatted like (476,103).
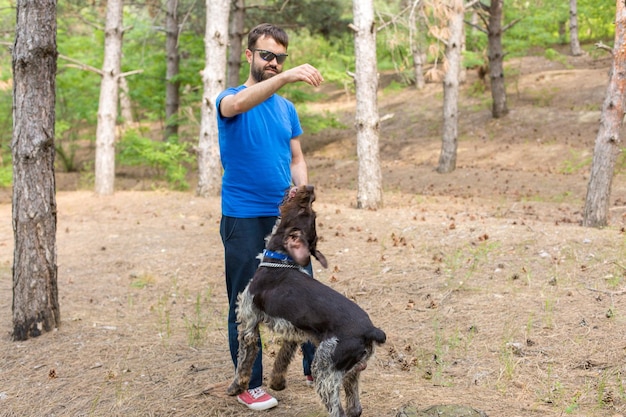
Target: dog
(285,298)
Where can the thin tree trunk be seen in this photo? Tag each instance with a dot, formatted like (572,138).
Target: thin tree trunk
(235,40)
(35,293)
(608,143)
(462,69)
(172,87)
(126,109)
(108,105)
(369,192)
(447,158)
(213,76)
(496,60)
(417,31)
(573,29)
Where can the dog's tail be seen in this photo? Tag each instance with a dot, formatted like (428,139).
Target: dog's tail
(376,335)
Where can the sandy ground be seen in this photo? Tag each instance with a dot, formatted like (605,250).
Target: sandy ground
(491,293)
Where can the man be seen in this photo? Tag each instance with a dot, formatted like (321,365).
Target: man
(262,157)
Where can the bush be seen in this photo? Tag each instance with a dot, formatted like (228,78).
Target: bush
(170,158)
(6,176)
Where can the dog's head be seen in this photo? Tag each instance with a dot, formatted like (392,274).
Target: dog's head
(296,234)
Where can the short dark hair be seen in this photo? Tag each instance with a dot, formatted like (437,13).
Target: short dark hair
(267,29)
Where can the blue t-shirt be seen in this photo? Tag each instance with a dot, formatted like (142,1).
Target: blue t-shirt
(255,149)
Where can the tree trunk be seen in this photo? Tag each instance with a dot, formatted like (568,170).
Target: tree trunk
(462,69)
(172,87)
(108,106)
(447,159)
(573,29)
(126,108)
(213,77)
(496,60)
(417,30)
(35,293)
(236,41)
(608,143)
(369,191)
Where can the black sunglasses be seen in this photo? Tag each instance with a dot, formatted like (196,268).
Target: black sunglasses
(269,56)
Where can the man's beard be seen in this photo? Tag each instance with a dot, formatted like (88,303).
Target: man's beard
(259,74)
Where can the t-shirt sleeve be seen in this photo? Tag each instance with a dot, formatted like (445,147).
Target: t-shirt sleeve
(218,100)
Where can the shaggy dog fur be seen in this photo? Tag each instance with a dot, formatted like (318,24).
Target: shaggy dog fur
(288,301)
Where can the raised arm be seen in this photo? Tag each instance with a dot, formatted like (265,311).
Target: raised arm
(259,92)
(299,172)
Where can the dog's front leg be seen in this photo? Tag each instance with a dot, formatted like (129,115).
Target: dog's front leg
(248,349)
(281,363)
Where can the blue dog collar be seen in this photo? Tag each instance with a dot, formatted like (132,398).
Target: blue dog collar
(277,255)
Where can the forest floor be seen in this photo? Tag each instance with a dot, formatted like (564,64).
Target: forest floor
(491,293)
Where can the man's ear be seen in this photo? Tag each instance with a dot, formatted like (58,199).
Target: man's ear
(249,57)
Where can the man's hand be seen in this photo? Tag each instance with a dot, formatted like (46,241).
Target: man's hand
(305,72)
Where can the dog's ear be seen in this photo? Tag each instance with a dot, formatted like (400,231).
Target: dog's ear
(321,258)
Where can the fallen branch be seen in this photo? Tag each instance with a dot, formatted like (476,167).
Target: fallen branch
(620,265)
(601,45)
(611,293)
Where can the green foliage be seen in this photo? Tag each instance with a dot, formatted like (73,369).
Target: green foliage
(546,22)
(555,56)
(318,35)
(472,59)
(7,22)
(315,123)
(144,48)
(393,86)
(6,175)
(170,158)
(477,89)
(327,18)
(6,122)
(332,59)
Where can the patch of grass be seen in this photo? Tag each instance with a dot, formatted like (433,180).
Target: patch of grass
(604,396)
(164,317)
(440,353)
(543,97)
(196,324)
(142,281)
(563,197)
(508,362)
(453,261)
(393,87)
(573,404)
(553,55)
(485,103)
(87,177)
(508,355)
(480,252)
(477,89)
(588,107)
(575,163)
(443,352)
(614,280)
(548,309)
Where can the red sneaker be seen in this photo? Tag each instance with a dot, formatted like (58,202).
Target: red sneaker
(310,381)
(257,399)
